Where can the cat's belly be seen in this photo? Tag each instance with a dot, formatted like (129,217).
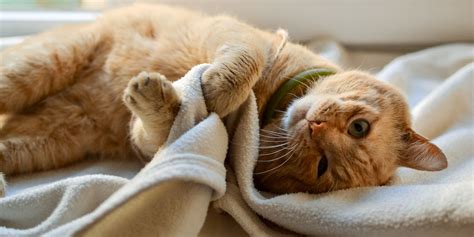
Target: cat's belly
(98,99)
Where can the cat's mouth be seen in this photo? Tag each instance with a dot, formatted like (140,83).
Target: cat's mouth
(323,162)
(322,165)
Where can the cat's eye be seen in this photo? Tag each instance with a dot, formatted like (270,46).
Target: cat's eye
(359,128)
(322,166)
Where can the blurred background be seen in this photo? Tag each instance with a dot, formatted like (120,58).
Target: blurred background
(365,34)
(349,21)
(389,25)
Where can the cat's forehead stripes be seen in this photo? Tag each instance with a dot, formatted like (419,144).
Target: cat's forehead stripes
(358,86)
(360,107)
(370,97)
(358,82)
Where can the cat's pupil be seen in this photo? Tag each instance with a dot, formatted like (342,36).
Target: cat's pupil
(322,166)
(359,128)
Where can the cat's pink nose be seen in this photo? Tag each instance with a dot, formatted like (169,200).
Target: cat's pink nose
(316,127)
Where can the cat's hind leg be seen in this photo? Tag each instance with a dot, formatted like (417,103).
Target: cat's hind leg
(46,138)
(154,103)
(24,155)
(48,63)
(29,154)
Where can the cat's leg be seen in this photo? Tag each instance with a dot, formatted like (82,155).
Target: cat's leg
(29,154)
(240,55)
(228,82)
(154,103)
(47,63)
(47,138)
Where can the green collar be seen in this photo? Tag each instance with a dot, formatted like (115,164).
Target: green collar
(302,78)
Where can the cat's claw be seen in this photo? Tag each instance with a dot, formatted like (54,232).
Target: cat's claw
(149,92)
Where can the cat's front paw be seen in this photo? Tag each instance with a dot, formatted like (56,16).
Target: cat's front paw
(225,90)
(150,93)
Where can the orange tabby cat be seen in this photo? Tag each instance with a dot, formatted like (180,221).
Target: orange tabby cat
(62,91)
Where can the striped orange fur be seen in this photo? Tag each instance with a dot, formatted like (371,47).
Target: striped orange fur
(70,93)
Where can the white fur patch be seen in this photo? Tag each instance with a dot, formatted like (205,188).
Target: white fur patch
(287,118)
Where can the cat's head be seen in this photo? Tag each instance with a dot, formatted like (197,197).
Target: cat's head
(347,130)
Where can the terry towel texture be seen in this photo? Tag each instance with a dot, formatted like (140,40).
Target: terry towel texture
(171,194)
(439,82)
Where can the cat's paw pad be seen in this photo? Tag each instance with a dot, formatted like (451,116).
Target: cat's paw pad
(149,92)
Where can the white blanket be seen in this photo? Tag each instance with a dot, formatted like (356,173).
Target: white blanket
(440,82)
(171,195)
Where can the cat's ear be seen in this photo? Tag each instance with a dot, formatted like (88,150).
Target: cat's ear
(421,154)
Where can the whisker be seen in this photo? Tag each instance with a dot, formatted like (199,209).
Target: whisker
(280,111)
(301,83)
(293,94)
(272,132)
(292,79)
(273,141)
(301,90)
(308,85)
(261,147)
(282,129)
(275,159)
(274,146)
(277,167)
(271,153)
(266,130)
(273,136)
